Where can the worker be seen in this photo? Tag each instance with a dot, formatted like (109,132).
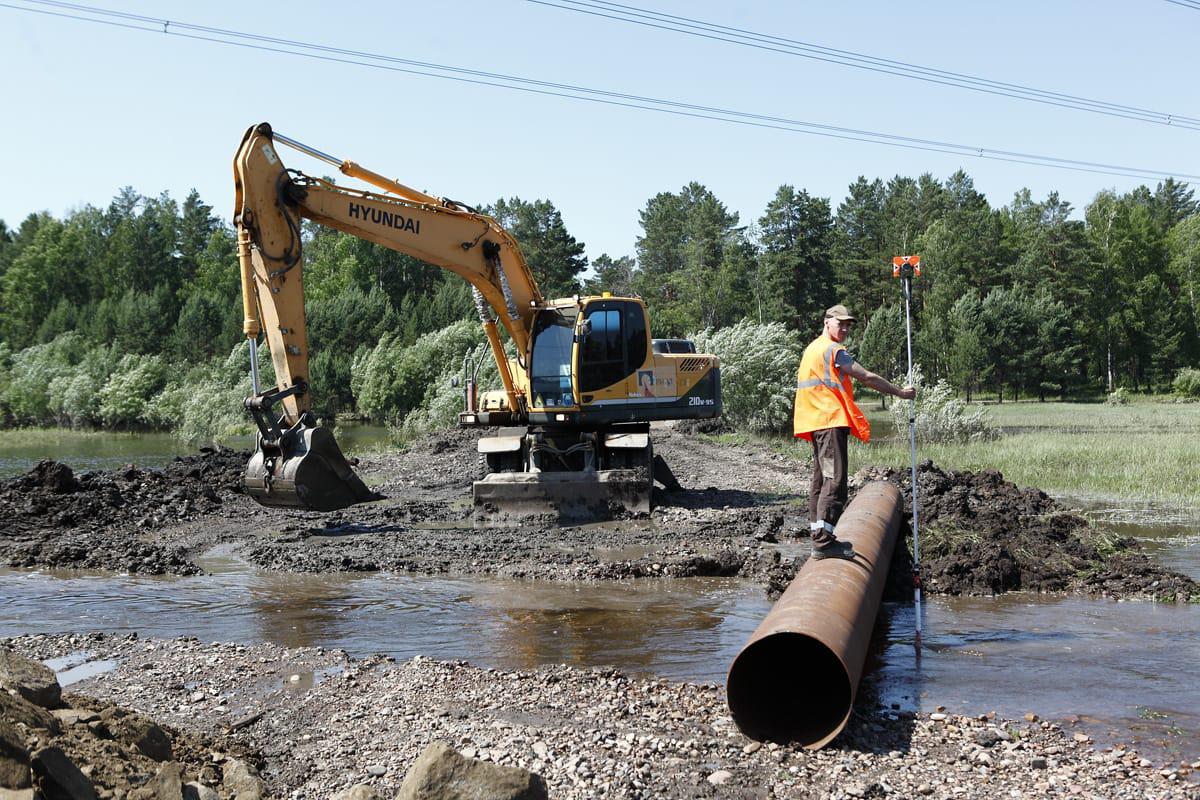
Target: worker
(826,415)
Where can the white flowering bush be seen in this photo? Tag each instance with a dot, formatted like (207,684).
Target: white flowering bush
(940,416)
(392,380)
(758,373)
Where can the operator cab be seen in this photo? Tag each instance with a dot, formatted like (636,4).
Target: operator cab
(550,363)
(673,345)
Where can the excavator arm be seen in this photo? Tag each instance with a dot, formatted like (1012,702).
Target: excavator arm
(270,201)
(297,463)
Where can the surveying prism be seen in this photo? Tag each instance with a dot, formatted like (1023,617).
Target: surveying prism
(906,268)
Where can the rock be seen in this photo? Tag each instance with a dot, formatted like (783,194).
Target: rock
(15,709)
(360,792)
(57,778)
(925,789)
(938,716)
(1037,763)
(1082,738)
(441,773)
(193,790)
(30,679)
(751,748)
(167,784)
(17,794)
(719,777)
(73,716)
(376,770)
(14,758)
(241,780)
(141,732)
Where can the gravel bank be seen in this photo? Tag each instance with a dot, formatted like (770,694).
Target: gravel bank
(315,722)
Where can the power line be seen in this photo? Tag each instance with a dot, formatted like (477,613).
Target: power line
(761,41)
(1192,4)
(271,44)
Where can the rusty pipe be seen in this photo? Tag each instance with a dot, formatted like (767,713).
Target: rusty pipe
(795,680)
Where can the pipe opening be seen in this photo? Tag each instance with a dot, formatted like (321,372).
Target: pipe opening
(789,687)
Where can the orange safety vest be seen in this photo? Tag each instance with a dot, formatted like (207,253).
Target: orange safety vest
(824,396)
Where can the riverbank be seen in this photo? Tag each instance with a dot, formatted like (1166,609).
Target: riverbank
(314,722)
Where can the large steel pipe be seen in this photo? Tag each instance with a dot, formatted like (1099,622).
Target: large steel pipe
(795,680)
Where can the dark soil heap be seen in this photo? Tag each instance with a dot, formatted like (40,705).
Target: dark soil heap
(51,516)
(981,534)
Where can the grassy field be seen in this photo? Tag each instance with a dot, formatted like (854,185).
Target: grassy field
(1137,452)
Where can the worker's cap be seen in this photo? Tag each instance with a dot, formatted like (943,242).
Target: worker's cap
(840,313)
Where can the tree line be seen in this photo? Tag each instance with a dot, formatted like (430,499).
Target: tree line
(114,316)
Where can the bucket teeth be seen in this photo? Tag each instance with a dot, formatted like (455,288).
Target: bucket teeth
(305,470)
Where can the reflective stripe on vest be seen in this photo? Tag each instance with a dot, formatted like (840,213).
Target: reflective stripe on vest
(825,402)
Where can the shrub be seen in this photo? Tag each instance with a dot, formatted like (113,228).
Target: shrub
(75,396)
(1187,382)
(33,370)
(758,373)
(208,404)
(443,401)
(1118,397)
(126,393)
(391,380)
(940,416)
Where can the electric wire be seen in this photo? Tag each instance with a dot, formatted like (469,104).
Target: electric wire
(269,44)
(1192,4)
(707,30)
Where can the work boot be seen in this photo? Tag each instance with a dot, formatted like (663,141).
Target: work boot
(835,549)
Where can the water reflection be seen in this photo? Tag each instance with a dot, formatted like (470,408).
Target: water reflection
(1117,666)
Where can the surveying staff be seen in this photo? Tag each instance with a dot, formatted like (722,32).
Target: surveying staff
(825,414)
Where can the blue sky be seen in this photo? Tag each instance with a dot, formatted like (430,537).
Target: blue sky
(91,108)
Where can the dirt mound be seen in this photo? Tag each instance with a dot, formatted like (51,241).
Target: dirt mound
(981,534)
(53,517)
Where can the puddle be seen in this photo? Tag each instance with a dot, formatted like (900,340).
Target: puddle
(79,666)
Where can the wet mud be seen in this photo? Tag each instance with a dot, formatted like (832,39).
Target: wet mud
(740,510)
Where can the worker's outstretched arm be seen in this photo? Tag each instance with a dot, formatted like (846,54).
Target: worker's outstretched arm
(879,384)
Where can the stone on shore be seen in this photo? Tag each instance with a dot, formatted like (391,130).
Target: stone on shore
(57,778)
(31,679)
(14,758)
(16,709)
(241,780)
(360,791)
(442,773)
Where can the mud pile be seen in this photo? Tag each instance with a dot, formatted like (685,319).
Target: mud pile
(53,517)
(981,534)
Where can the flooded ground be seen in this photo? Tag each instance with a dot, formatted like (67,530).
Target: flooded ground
(1123,672)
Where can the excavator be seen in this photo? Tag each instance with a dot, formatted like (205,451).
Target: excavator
(570,427)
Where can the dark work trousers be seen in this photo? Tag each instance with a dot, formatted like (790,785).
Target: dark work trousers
(827,495)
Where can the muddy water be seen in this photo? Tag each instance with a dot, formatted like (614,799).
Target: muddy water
(686,629)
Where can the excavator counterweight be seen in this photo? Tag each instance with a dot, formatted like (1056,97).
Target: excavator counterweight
(576,402)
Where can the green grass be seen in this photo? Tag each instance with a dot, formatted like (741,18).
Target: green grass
(1138,452)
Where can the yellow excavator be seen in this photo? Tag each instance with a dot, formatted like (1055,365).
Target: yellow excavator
(572,421)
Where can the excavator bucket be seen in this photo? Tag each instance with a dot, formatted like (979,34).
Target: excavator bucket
(568,497)
(304,468)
